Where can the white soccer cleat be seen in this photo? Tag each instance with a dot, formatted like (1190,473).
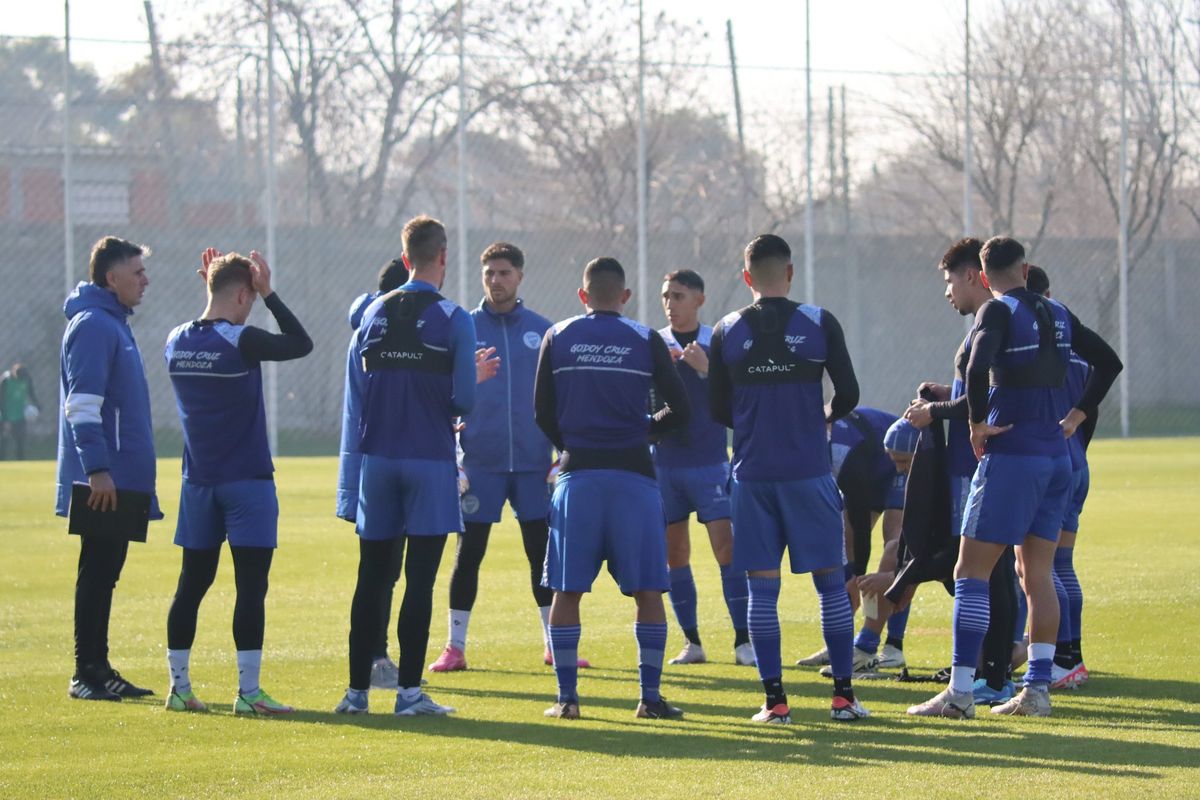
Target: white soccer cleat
(817,659)
(1028,703)
(946,703)
(743,655)
(864,663)
(423,705)
(891,658)
(844,710)
(691,653)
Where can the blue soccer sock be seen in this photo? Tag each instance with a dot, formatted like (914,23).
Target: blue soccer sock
(897,624)
(651,641)
(683,600)
(763,616)
(1064,612)
(837,622)
(972,611)
(867,641)
(737,598)
(564,644)
(1041,657)
(1064,568)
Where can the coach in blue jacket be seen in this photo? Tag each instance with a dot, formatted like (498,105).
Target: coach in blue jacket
(106,440)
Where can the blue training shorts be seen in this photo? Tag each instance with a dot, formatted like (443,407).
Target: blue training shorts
(1081,481)
(704,490)
(412,496)
(527,492)
(960,489)
(1013,496)
(803,516)
(612,515)
(244,512)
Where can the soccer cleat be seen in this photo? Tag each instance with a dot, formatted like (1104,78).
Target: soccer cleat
(691,653)
(864,662)
(776,715)
(942,675)
(1065,678)
(947,703)
(743,655)
(384,674)
(185,700)
(118,685)
(563,710)
(451,660)
(659,709)
(353,705)
(1029,703)
(422,706)
(987,696)
(260,703)
(845,710)
(817,659)
(891,658)
(1084,675)
(548,658)
(84,689)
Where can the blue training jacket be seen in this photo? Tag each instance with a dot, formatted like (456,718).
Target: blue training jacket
(501,434)
(349,457)
(104,410)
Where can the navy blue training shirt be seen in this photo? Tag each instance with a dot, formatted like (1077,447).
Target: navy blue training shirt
(703,442)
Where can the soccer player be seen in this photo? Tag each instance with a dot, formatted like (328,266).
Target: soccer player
(18,406)
(765,370)
(967,293)
(1019,355)
(417,352)
(693,474)
(394,274)
(1069,670)
(505,455)
(228,490)
(594,376)
(106,440)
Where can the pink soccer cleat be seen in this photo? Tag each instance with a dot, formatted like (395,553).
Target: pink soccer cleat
(451,660)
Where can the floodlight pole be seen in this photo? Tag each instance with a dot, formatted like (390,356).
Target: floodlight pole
(809,292)
(270,210)
(68,216)
(462,160)
(1123,231)
(643,280)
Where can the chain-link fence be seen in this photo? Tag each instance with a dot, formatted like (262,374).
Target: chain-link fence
(174,154)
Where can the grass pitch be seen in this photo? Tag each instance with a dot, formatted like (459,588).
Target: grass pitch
(1134,730)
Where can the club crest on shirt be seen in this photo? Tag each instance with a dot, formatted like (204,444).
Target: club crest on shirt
(470,504)
(532,340)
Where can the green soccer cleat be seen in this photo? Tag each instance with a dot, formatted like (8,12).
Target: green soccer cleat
(184,701)
(260,703)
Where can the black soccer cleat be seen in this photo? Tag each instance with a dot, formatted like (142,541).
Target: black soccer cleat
(119,686)
(84,689)
(659,709)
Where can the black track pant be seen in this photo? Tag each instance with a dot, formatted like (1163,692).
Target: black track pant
(421,557)
(996,658)
(251,568)
(385,603)
(100,563)
(472,546)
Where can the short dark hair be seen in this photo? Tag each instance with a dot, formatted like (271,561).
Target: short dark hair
(393,275)
(767,246)
(107,253)
(230,269)
(1000,253)
(962,254)
(423,239)
(1037,281)
(506,251)
(686,277)
(604,279)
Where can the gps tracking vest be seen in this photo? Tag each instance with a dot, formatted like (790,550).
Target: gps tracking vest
(399,344)
(771,355)
(1048,367)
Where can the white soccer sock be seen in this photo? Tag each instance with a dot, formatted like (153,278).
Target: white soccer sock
(545,612)
(410,693)
(177,664)
(249,664)
(458,628)
(962,679)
